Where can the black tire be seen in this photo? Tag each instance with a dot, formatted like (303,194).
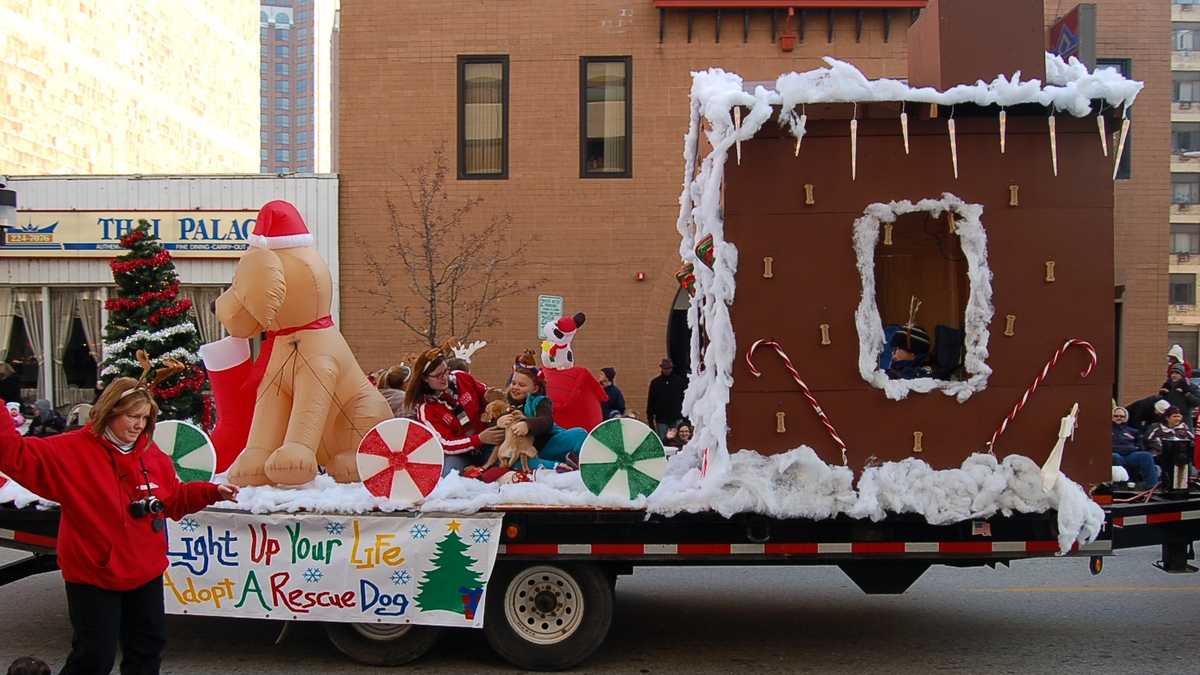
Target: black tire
(380,644)
(561,620)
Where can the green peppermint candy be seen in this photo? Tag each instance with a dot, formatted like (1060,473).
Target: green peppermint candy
(622,458)
(189,449)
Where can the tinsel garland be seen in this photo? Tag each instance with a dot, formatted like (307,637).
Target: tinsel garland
(128,304)
(206,412)
(132,238)
(193,382)
(172,311)
(124,266)
(115,348)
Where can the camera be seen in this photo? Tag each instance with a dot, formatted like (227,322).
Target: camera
(147,505)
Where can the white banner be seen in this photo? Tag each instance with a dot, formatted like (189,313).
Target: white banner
(380,568)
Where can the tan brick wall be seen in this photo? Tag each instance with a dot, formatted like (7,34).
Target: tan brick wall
(95,87)
(398,102)
(1141,31)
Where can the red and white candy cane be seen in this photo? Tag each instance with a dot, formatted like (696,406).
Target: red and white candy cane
(787,362)
(1019,405)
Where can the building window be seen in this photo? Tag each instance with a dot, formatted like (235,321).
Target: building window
(1189,340)
(283,52)
(262,102)
(1183,289)
(605,116)
(281,68)
(262,154)
(282,138)
(263,119)
(1125,68)
(281,33)
(1187,37)
(283,86)
(283,103)
(284,169)
(483,116)
(1187,86)
(1185,188)
(1185,238)
(283,155)
(283,121)
(301,86)
(302,68)
(1186,2)
(301,120)
(302,34)
(1185,137)
(264,137)
(264,168)
(301,137)
(303,155)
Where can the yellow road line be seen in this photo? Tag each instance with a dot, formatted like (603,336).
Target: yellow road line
(1091,589)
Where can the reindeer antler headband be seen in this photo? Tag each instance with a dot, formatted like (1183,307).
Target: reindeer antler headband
(146,383)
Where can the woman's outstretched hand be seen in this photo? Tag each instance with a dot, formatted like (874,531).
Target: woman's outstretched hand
(228,492)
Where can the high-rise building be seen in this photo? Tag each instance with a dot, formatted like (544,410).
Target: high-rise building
(151,87)
(294,96)
(1184,251)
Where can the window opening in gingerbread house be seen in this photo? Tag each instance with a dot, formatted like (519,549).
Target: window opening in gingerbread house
(926,298)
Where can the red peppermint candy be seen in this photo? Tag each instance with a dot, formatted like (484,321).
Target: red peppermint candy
(400,459)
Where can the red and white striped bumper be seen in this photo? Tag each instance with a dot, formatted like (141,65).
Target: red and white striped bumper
(882,548)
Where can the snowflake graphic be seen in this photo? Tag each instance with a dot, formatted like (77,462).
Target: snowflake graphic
(335,528)
(189,524)
(400,577)
(312,575)
(419,531)
(481,536)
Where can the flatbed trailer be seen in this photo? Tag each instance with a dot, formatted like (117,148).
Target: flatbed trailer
(584,551)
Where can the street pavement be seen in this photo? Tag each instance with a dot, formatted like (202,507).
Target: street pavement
(1039,616)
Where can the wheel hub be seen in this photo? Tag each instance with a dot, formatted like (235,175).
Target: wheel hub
(544,605)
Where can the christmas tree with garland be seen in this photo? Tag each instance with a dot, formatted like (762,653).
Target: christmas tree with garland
(149,314)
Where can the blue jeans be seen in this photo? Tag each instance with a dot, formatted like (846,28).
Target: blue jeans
(1140,462)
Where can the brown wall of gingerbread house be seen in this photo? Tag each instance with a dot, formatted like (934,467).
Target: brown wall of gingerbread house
(1066,219)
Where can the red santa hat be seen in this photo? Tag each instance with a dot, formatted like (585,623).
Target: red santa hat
(569,324)
(279,225)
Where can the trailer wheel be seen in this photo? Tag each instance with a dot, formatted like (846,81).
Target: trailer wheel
(548,617)
(382,644)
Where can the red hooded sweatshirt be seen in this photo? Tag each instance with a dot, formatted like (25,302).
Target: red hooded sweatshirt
(99,542)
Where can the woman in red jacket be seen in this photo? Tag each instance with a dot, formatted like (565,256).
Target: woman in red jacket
(451,402)
(114,487)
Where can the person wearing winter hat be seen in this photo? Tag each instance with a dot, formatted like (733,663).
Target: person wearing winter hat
(1174,427)
(1180,392)
(615,405)
(910,354)
(664,400)
(1174,356)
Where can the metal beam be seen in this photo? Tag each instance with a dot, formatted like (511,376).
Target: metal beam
(829,24)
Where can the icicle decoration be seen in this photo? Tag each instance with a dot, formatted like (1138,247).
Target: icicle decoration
(953,145)
(1121,143)
(1103,133)
(1003,128)
(853,149)
(737,128)
(1053,146)
(803,126)
(904,128)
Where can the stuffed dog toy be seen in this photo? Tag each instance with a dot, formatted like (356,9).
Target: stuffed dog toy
(312,403)
(514,448)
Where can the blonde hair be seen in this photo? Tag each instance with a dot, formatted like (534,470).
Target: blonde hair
(122,396)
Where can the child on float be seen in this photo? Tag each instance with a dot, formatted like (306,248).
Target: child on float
(558,448)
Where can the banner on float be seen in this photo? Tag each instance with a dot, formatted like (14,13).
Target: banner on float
(196,233)
(363,569)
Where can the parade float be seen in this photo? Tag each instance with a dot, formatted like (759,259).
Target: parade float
(822,215)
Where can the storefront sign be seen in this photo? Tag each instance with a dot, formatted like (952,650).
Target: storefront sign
(97,234)
(363,569)
(550,307)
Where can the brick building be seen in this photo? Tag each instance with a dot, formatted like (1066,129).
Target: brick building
(294,99)
(569,117)
(152,87)
(1184,252)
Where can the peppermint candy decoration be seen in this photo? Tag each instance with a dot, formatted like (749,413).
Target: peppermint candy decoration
(400,459)
(622,458)
(189,448)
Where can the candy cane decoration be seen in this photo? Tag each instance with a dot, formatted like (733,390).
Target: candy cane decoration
(1073,342)
(787,362)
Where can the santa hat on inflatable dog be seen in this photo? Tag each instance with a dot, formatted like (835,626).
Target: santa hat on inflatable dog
(556,348)
(279,225)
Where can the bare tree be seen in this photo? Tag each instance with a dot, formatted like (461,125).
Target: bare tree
(439,276)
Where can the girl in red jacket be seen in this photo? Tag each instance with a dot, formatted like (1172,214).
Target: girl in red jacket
(450,403)
(115,488)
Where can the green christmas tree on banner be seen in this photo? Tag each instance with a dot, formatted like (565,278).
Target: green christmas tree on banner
(441,586)
(148,314)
